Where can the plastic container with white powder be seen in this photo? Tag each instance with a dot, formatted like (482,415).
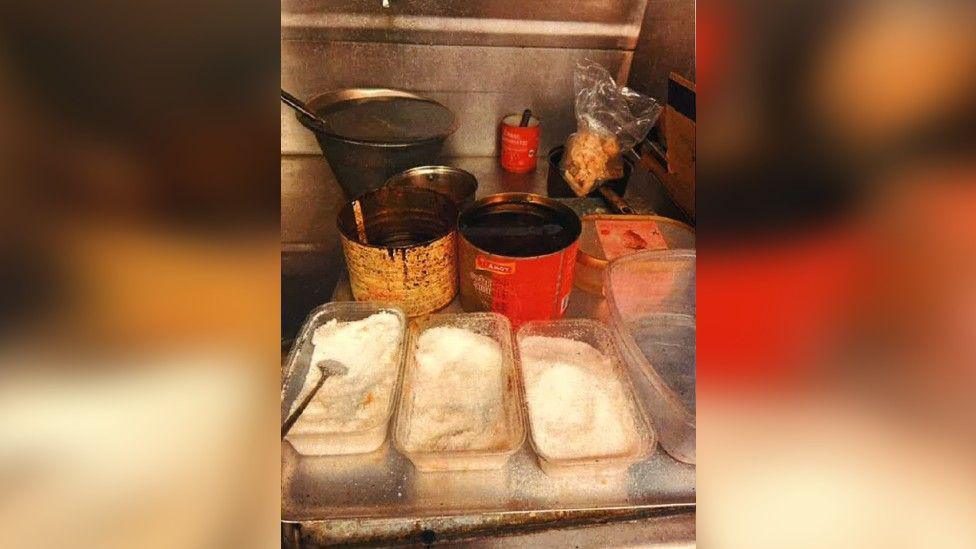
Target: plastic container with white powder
(582,413)
(460,408)
(350,414)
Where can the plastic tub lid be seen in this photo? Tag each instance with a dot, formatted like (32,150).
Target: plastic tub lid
(609,236)
(652,302)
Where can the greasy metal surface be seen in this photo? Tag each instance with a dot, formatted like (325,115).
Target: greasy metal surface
(672,526)
(480,84)
(403,248)
(605,24)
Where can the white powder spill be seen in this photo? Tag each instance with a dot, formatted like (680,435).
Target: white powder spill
(577,406)
(361,397)
(458,391)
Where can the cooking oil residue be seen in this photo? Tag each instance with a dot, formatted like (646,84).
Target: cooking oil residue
(520,230)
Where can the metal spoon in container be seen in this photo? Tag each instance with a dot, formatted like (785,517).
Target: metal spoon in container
(328,368)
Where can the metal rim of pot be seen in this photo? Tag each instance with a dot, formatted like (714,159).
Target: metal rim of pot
(450,223)
(528,198)
(404,177)
(349,94)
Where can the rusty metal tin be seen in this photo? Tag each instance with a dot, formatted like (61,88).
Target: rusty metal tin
(400,245)
(516,256)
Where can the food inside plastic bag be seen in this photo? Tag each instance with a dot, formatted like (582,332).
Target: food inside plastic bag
(610,119)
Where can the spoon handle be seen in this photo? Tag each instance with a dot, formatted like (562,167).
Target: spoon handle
(293,417)
(298,105)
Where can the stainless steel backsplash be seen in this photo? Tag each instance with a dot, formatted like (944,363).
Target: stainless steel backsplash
(481,58)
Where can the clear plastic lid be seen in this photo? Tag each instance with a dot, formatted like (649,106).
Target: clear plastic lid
(651,296)
(609,236)
(437,424)
(652,302)
(606,237)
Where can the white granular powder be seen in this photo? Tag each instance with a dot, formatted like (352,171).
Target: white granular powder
(358,399)
(577,406)
(457,394)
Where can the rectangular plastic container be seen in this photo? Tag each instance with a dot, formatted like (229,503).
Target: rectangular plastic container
(599,337)
(651,296)
(360,441)
(492,325)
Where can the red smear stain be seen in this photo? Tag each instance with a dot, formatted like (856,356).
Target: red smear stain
(634,241)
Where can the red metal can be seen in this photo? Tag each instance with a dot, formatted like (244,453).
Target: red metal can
(517,255)
(519,144)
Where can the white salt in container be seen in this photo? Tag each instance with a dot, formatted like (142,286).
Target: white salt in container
(596,452)
(319,430)
(483,413)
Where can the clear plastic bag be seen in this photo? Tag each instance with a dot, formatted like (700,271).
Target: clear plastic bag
(610,119)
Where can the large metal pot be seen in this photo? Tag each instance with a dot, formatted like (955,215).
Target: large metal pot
(361,165)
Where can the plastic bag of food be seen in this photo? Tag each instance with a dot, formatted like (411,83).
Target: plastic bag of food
(610,119)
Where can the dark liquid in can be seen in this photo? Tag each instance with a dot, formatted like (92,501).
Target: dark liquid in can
(518,229)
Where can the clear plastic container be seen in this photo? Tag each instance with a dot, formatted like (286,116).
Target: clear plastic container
(599,337)
(510,432)
(651,296)
(306,437)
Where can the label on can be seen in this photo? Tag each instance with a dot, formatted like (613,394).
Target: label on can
(519,144)
(482,263)
(524,289)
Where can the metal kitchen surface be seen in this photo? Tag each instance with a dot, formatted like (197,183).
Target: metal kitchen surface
(385,484)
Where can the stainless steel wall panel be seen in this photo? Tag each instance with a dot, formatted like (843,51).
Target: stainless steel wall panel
(479,83)
(598,24)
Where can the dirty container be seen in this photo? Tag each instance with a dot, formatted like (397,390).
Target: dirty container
(516,256)
(373,133)
(505,431)
(642,438)
(651,296)
(400,246)
(307,436)
(607,237)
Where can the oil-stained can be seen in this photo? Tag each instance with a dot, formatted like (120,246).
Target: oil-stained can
(516,256)
(400,246)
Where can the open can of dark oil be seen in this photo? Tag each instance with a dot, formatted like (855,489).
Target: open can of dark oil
(400,245)
(516,256)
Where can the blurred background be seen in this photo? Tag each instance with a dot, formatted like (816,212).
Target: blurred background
(138,274)
(837,273)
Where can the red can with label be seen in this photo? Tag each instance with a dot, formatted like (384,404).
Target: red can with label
(519,144)
(517,255)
